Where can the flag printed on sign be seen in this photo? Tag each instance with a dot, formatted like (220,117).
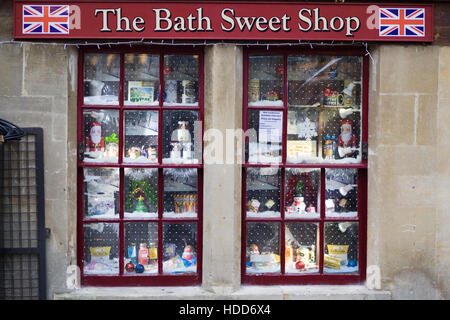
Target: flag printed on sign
(45,19)
(402,22)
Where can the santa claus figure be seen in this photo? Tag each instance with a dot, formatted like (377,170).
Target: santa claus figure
(95,141)
(346,140)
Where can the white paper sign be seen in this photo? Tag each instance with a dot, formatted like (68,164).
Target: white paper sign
(270,126)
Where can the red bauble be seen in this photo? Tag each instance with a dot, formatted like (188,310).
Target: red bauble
(300,265)
(129,267)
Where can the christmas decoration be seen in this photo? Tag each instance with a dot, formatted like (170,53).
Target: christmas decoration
(329,147)
(139,268)
(346,140)
(140,206)
(307,129)
(129,267)
(95,141)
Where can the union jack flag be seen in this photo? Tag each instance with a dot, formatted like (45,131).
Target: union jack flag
(402,22)
(45,19)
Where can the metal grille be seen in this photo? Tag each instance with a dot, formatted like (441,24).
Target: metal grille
(22,233)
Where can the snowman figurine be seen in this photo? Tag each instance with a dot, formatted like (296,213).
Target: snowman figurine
(188,255)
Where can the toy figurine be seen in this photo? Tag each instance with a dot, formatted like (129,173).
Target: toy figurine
(346,140)
(95,141)
(188,253)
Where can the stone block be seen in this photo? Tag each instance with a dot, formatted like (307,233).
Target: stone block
(396,120)
(46,70)
(426,120)
(11,69)
(409,69)
(444,72)
(404,160)
(443,121)
(40,107)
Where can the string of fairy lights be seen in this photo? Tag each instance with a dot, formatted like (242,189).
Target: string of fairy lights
(99,45)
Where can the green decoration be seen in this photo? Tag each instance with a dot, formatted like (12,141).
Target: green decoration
(112,138)
(140,207)
(299,188)
(140,188)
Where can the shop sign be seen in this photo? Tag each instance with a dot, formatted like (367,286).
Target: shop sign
(223,21)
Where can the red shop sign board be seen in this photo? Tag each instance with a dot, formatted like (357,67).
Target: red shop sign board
(223,21)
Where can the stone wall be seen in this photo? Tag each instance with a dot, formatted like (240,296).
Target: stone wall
(408,212)
(37,89)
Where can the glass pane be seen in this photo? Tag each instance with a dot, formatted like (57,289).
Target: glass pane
(141,193)
(324,117)
(141,248)
(263,247)
(341,247)
(179,247)
(181,80)
(101,78)
(141,79)
(101,248)
(302,135)
(341,193)
(265,131)
(302,193)
(101,193)
(141,137)
(101,132)
(180,193)
(301,249)
(263,192)
(265,81)
(180,141)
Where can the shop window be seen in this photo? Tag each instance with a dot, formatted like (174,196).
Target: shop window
(304,201)
(139,167)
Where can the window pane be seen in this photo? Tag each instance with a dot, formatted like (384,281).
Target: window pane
(180,143)
(265,81)
(301,249)
(141,137)
(341,247)
(101,193)
(179,247)
(324,117)
(101,78)
(302,193)
(101,135)
(141,79)
(341,193)
(263,247)
(265,131)
(327,80)
(180,193)
(141,193)
(101,248)
(141,248)
(181,80)
(263,192)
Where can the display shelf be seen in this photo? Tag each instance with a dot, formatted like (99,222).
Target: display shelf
(260,186)
(179,187)
(263,214)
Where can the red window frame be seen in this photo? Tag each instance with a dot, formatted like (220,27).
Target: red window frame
(320,277)
(160,278)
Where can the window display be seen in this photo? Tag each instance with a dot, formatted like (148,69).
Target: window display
(139,165)
(101,129)
(101,79)
(304,171)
